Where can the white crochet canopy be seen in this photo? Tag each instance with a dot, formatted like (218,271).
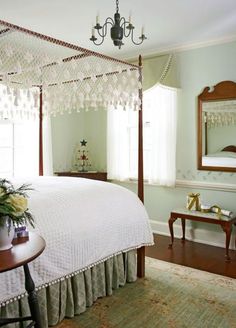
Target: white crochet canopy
(219,113)
(69,78)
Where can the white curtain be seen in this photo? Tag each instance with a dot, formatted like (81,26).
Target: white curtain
(25,148)
(160,120)
(19,118)
(161,102)
(47,146)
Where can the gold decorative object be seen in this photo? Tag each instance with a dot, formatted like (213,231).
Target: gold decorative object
(205,208)
(216,209)
(193,202)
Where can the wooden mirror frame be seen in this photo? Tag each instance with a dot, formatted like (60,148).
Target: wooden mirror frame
(224,90)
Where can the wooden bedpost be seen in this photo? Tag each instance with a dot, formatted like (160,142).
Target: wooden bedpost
(40,131)
(140,251)
(140,137)
(206,140)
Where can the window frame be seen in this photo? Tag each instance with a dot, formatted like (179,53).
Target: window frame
(14,148)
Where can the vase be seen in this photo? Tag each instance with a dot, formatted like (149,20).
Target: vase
(6,234)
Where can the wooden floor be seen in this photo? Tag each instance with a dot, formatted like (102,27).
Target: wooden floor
(195,255)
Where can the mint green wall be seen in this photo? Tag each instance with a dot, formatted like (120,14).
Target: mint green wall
(95,133)
(159,201)
(199,68)
(195,69)
(220,137)
(69,129)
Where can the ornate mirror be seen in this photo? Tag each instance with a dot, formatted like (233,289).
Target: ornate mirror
(217,128)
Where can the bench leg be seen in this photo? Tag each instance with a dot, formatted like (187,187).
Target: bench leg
(171,221)
(183,229)
(227,229)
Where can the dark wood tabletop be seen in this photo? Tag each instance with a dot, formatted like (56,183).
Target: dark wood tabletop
(88,175)
(24,250)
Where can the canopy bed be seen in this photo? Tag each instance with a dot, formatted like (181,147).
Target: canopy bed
(63,77)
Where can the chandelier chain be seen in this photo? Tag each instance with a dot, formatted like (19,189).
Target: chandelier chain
(117,6)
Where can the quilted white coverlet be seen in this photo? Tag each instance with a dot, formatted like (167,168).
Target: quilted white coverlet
(83,222)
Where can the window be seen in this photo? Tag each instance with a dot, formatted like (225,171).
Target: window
(18,148)
(18,132)
(159,138)
(6,149)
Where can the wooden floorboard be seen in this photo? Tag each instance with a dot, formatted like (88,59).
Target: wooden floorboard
(195,255)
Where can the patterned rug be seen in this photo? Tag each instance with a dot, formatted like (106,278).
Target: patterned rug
(170,296)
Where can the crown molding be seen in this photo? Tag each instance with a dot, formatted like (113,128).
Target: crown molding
(182,47)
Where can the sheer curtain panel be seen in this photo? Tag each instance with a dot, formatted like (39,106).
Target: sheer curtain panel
(161,102)
(159,138)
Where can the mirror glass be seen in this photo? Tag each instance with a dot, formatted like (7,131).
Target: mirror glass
(219,133)
(217,128)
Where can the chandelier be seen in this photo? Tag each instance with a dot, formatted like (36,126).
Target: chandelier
(120,28)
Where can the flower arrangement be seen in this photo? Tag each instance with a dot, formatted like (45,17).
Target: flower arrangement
(14,204)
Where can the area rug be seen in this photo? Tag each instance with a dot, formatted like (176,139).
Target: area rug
(170,296)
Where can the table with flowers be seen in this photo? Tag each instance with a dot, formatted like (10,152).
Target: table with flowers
(23,251)
(19,251)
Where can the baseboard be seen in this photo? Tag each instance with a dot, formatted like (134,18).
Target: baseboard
(198,235)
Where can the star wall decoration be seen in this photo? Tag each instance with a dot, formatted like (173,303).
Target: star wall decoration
(83,142)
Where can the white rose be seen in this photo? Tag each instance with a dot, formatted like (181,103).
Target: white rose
(19,203)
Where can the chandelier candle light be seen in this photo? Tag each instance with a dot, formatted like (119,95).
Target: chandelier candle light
(120,27)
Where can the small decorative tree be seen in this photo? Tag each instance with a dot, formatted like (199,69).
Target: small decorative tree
(82,160)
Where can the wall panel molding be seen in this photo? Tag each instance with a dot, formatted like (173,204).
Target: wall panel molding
(206,185)
(227,187)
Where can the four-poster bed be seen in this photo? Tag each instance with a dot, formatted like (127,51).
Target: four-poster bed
(70,78)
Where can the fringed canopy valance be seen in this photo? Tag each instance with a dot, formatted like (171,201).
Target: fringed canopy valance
(70,78)
(219,113)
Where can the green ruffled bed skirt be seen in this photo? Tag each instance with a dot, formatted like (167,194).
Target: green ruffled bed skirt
(72,296)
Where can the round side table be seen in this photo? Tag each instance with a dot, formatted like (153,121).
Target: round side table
(24,250)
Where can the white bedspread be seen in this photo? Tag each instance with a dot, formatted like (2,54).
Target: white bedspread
(221,158)
(218,161)
(83,222)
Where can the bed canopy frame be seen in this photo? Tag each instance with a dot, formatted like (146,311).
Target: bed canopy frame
(64,77)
